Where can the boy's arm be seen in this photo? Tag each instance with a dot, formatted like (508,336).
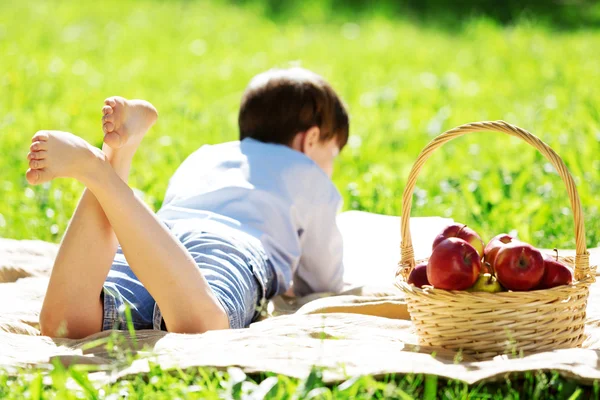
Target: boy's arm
(321,268)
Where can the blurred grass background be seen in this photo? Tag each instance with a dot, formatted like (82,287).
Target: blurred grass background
(408,70)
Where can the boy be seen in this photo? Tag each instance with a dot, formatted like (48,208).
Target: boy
(240,221)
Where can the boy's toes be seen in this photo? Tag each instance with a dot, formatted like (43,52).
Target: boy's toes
(40,136)
(110,102)
(113,139)
(107,110)
(108,123)
(38,145)
(37,155)
(32,176)
(37,164)
(108,127)
(37,176)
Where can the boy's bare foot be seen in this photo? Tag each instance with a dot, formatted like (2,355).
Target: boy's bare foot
(55,154)
(125,122)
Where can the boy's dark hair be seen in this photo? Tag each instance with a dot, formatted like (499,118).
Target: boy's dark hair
(279,103)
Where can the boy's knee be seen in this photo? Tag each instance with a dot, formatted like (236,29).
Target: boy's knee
(71,325)
(200,323)
(219,320)
(52,325)
(222,320)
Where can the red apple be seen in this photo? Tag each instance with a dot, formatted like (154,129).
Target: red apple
(418,276)
(453,265)
(460,231)
(555,273)
(519,266)
(491,250)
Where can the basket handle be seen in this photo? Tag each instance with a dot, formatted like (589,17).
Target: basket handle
(407,261)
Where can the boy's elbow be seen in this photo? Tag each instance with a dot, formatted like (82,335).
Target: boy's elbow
(337,287)
(338,281)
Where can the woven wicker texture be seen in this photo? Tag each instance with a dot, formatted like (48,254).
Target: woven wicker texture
(487,324)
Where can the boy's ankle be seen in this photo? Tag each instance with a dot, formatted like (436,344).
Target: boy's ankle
(117,155)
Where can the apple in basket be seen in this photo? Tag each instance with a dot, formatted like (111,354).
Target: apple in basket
(519,266)
(418,276)
(486,283)
(555,273)
(453,265)
(460,231)
(491,250)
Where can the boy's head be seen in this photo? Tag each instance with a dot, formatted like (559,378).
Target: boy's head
(297,108)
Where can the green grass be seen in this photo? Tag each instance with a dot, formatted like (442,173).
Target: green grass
(196,383)
(404,81)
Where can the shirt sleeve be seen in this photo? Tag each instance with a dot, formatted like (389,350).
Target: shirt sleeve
(321,267)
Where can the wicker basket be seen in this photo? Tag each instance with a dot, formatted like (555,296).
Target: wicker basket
(483,324)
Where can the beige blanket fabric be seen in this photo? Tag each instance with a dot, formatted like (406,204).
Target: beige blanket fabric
(365,330)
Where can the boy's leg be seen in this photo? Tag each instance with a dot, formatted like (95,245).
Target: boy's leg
(72,305)
(157,258)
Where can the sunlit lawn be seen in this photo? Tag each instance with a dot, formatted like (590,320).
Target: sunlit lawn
(404,83)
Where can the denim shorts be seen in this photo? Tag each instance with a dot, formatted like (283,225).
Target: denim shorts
(235,265)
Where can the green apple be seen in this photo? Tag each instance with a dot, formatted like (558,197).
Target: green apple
(486,283)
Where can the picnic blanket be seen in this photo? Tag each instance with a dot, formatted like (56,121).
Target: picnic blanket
(364,330)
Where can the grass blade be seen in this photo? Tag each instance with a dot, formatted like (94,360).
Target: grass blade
(431,384)
(575,394)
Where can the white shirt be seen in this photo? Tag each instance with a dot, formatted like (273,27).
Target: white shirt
(273,193)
